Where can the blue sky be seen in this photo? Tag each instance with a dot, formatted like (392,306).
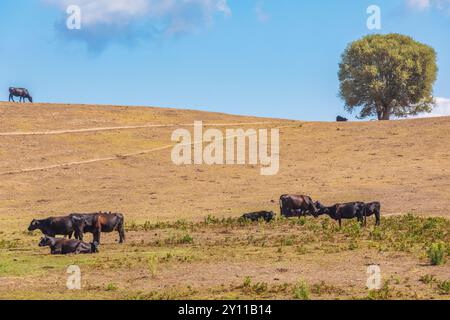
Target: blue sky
(276,58)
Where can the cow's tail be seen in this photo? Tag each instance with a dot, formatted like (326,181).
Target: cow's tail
(121,226)
(378,215)
(281,206)
(365,212)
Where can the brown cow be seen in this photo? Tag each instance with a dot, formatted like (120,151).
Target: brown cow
(297,205)
(96,223)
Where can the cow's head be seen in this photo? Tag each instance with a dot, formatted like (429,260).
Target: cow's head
(35,224)
(46,241)
(30,98)
(321,209)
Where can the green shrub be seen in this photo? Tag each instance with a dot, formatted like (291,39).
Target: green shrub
(444,287)
(301,291)
(385,293)
(427,279)
(247,282)
(186,239)
(436,253)
(111,287)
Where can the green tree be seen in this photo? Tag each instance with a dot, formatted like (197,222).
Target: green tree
(388,75)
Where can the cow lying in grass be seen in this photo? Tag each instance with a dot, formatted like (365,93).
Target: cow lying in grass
(64,246)
(257,216)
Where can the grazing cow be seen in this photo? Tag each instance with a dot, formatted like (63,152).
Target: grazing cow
(297,205)
(96,223)
(22,93)
(261,215)
(64,246)
(344,211)
(373,208)
(54,226)
(341,119)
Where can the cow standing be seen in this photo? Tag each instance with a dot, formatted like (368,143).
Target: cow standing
(339,212)
(297,205)
(22,93)
(54,226)
(96,223)
(373,208)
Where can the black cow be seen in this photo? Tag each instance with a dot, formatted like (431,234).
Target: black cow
(297,205)
(54,226)
(261,215)
(344,211)
(64,246)
(22,93)
(341,119)
(96,223)
(373,208)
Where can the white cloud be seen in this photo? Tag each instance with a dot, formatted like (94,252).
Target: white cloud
(419,4)
(105,11)
(105,20)
(441,109)
(443,5)
(261,14)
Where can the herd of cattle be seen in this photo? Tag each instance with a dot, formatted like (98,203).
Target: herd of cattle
(76,224)
(299,205)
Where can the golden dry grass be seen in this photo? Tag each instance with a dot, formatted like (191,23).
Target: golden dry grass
(403,164)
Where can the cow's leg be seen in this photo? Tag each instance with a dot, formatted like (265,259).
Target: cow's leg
(78,235)
(360,220)
(340,223)
(121,232)
(97,234)
(11,98)
(79,249)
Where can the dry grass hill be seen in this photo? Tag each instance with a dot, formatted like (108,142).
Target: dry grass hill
(58,159)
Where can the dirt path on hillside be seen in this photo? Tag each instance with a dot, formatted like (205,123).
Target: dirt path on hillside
(133,154)
(56,132)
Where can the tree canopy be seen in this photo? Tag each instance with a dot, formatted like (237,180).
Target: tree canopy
(387,75)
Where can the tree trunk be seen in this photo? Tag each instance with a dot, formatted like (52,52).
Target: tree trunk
(384,113)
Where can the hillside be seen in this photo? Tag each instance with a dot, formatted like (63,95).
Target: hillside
(403,164)
(183,238)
